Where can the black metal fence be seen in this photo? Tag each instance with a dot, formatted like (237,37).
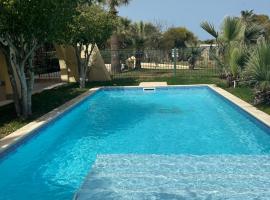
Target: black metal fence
(194,61)
(46,64)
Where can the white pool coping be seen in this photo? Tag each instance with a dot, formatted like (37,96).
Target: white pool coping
(152,84)
(20,134)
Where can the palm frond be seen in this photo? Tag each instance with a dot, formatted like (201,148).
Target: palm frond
(231,29)
(210,28)
(252,34)
(258,66)
(237,60)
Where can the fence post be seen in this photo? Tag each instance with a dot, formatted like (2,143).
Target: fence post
(175,61)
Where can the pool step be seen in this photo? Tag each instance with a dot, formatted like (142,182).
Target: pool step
(136,177)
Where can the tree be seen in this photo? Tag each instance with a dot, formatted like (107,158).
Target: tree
(234,34)
(237,60)
(177,37)
(123,32)
(231,30)
(194,55)
(137,35)
(92,26)
(115,61)
(258,72)
(24,26)
(247,16)
(264,22)
(145,35)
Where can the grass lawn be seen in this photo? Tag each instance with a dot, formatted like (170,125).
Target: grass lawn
(48,100)
(247,95)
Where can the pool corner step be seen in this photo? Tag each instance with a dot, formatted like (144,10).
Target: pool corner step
(136,177)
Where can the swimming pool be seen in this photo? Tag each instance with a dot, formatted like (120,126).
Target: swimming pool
(167,121)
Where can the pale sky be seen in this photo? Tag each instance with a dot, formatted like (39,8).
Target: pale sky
(190,13)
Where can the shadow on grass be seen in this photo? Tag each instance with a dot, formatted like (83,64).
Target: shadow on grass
(46,101)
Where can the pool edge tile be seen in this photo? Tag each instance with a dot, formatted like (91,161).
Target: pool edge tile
(252,110)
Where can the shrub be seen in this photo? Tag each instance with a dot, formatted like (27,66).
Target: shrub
(258,72)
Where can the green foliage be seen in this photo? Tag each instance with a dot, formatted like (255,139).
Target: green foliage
(24,26)
(177,37)
(252,33)
(123,31)
(231,29)
(247,16)
(232,41)
(195,55)
(237,61)
(137,35)
(258,66)
(264,22)
(210,28)
(113,4)
(92,25)
(41,20)
(145,36)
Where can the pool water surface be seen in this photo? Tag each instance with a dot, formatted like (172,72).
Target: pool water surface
(167,121)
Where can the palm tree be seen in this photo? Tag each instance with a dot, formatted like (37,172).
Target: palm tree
(229,34)
(125,39)
(210,28)
(247,16)
(194,53)
(252,33)
(115,61)
(237,60)
(258,72)
(231,29)
(139,38)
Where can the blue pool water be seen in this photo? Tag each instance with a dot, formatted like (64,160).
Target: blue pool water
(185,121)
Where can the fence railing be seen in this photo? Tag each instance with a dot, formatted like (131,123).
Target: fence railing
(192,61)
(47,65)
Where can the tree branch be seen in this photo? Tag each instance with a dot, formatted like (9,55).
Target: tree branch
(29,53)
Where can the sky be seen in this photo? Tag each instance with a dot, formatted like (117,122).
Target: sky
(190,13)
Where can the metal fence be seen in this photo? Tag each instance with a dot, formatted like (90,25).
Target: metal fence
(192,61)
(46,65)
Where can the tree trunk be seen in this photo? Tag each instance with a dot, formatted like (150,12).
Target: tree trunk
(82,81)
(24,99)
(11,74)
(115,60)
(17,57)
(78,50)
(24,95)
(138,55)
(26,86)
(30,84)
(82,74)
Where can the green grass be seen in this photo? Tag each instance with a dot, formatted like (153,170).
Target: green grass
(247,95)
(244,93)
(48,100)
(42,104)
